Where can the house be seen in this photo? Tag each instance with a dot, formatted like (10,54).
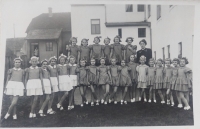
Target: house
(48,34)
(110,20)
(172,30)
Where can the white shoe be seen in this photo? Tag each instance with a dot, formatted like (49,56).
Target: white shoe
(69,108)
(109,100)
(86,102)
(122,101)
(15,117)
(72,106)
(6,116)
(168,102)
(31,115)
(105,103)
(61,108)
(97,103)
(34,115)
(58,105)
(180,105)
(172,104)
(154,101)
(133,100)
(115,102)
(125,102)
(162,102)
(102,101)
(92,103)
(139,98)
(149,101)
(145,100)
(81,105)
(188,108)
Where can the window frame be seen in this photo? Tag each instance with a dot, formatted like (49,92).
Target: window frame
(149,10)
(95,26)
(138,8)
(158,12)
(139,33)
(126,7)
(50,47)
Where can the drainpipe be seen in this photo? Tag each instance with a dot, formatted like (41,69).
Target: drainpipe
(145,13)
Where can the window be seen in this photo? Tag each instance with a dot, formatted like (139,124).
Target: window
(95,26)
(158,11)
(149,10)
(155,55)
(129,8)
(140,8)
(168,50)
(141,32)
(180,50)
(163,49)
(49,46)
(120,32)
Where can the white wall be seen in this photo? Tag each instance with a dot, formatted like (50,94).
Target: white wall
(117,13)
(174,26)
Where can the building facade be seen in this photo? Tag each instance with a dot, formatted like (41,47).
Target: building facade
(172,30)
(105,20)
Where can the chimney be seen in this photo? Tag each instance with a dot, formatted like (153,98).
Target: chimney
(50,12)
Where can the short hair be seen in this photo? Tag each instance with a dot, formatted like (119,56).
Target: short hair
(83,40)
(34,57)
(102,58)
(72,57)
(72,39)
(159,60)
(83,59)
(168,59)
(177,60)
(186,60)
(62,56)
(129,38)
(45,60)
(51,58)
(118,38)
(152,59)
(107,38)
(98,37)
(92,58)
(143,40)
(18,58)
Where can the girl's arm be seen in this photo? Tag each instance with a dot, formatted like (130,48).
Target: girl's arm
(50,82)
(57,77)
(124,55)
(111,52)
(98,76)
(26,77)
(41,78)
(8,76)
(91,51)
(109,74)
(78,57)
(102,51)
(23,77)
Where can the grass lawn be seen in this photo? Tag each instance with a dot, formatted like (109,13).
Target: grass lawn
(132,114)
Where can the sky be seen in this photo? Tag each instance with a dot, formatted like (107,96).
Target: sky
(20,14)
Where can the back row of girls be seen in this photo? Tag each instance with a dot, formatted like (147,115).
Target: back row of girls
(115,50)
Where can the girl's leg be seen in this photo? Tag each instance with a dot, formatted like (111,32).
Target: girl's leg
(14,110)
(66,93)
(12,106)
(114,93)
(93,92)
(181,94)
(81,88)
(107,92)
(164,93)
(125,93)
(72,96)
(150,93)
(178,98)
(161,95)
(35,99)
(145,99)
(187,94)
(171,99)
(142,92)
(51,101)
(42,97)
(154,94)
(60,96)
(45,103)
(168,96)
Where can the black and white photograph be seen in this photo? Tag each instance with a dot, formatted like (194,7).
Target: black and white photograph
(98,64)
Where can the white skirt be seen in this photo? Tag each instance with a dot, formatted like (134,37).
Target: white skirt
(73,80)
(54,82)
(64,83)
(34,87)
(47,86)
(14,88)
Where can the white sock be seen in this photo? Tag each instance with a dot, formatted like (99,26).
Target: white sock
(6,116)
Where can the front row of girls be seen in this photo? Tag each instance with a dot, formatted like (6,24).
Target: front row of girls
(115,50)
(62,79)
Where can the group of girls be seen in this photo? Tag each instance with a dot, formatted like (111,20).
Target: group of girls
(97,66)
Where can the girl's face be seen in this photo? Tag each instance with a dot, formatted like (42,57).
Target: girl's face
(116,40)
(159,63)
(92,62)
(175,63)
(182,63)
(72,60)
(143,45)
(151,63)
(129,41)
(167,63)
(44,65)
(74,41)
(96,40)
(84,43)
(142,61)
(17,63)
(132,58)
(113,61)
(53,62)
(123,63)
(102,61)
(34,62)
(106,41)
(62,60)
(82,63)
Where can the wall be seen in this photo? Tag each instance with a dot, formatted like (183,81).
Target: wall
(174,26)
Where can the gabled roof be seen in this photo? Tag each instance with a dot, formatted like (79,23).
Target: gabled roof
(57,21)
(44,34)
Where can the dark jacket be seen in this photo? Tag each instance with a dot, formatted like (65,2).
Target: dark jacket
(147,53)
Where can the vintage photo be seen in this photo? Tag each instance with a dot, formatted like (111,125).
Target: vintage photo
(97,65)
